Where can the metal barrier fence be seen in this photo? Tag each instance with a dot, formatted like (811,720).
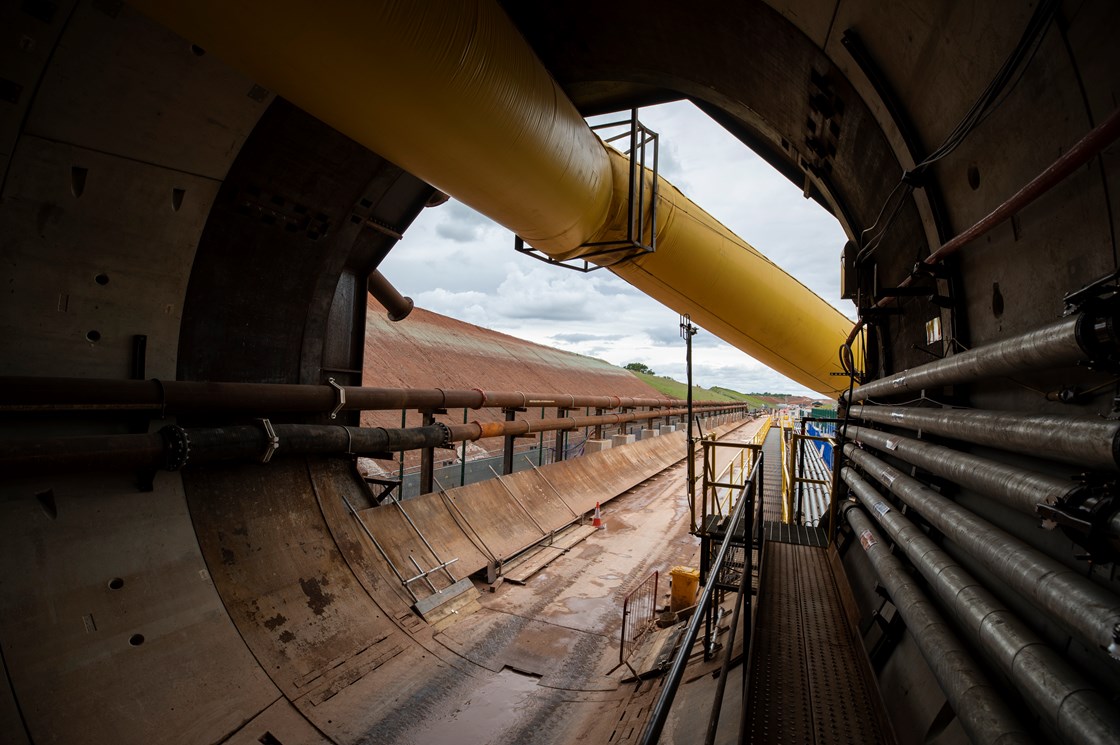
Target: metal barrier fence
(639,609)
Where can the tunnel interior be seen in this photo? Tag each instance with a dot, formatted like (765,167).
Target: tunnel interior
(166,216)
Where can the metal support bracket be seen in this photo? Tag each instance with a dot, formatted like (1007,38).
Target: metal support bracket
(643,148)
(1086,515)
(273,440)
(387,487)
(341,397)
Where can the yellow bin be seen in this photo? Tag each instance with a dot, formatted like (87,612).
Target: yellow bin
(684,581)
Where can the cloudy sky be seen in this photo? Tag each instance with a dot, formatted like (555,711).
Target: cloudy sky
(456,262)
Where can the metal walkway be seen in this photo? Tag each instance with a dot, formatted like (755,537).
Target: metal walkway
(809,680)
(772,475)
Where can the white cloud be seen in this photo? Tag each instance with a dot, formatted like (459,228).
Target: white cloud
(456,262)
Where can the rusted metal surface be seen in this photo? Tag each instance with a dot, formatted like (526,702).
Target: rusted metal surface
(174,447)
(807,678)
(188,396)
(297,605)
(397,306)
(490,521)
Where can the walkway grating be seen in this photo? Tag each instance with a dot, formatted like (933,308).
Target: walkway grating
(808,678)
(799,535)
(772,475)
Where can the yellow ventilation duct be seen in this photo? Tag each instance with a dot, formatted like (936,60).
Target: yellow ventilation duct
(450,91)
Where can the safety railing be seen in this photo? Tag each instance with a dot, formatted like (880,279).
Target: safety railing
(743,527)
(452,467)
(719,490)
(804,472)
(763,431)
(639,610)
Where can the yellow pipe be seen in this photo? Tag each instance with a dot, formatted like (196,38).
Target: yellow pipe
(446,89)
(450,91)
(729,288)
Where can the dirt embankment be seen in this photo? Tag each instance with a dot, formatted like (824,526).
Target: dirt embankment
(427,350)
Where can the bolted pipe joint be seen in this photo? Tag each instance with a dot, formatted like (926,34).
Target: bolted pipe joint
(397,305)
(1096,334)
(1090,516)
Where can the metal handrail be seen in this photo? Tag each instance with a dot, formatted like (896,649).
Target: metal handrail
(751,489)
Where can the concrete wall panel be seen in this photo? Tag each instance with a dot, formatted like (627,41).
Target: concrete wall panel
(112,630)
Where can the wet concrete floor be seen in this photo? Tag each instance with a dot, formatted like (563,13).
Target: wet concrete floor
(544,656)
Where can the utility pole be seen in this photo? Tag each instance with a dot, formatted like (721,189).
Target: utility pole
(687,332)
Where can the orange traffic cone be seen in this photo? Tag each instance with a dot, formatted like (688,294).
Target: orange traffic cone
(597,521)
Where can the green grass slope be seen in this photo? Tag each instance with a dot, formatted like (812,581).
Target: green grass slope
(676,389)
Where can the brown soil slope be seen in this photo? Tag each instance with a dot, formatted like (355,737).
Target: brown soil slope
(427,350)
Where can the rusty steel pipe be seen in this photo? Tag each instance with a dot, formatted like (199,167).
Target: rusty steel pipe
(397,305)
(174,447)
(179,396)
(1088,147)
(519,427)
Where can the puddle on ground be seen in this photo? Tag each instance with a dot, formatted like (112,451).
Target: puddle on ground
(491,710)
(586,606)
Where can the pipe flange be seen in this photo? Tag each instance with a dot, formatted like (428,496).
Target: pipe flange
(1097,335)
(1088,517)
(481,403)
(177,447)
(445,441)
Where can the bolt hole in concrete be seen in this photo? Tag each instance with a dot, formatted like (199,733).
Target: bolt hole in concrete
(177,198)
(78,180)
(491,710)
(136,640)
(46,501)
(997,300)
(116,583)
(101,279)
(974,176)
(93,335)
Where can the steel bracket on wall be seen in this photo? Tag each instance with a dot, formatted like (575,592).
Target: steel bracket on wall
(643,157)
(1088,516)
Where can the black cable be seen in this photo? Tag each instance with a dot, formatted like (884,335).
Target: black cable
(994,94)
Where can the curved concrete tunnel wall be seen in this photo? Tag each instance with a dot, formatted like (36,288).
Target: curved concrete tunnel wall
(153,127)
(471,110)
